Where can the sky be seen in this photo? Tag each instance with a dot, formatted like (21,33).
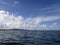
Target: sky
(30,14)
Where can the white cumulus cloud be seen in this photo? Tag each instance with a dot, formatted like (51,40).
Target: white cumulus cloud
(10,21)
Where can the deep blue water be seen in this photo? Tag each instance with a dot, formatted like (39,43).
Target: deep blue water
(29,37)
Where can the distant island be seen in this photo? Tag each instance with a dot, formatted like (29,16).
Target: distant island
(19,29)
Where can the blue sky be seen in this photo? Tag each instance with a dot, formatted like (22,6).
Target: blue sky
(31,9)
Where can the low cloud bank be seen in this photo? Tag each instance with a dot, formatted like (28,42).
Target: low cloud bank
(10,21)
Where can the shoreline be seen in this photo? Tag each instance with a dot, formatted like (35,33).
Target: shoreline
(25,30)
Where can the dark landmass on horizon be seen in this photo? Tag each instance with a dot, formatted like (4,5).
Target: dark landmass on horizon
(21,29)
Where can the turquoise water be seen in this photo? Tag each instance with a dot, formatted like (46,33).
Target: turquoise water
(29,37)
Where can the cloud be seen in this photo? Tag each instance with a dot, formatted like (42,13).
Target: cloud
(53,9)
(13,4)
(5,3)
(51,18)
(16,2)
(10,21)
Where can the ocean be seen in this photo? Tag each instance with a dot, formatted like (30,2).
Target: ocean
(29,37)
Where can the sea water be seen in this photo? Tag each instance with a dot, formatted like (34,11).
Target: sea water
(29,37)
